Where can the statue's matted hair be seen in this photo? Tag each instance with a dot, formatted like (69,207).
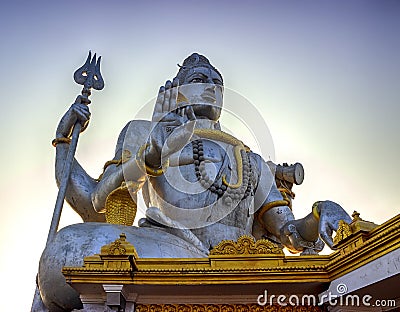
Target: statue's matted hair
(194,60)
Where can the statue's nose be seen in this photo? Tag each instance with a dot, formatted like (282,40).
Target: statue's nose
(211,87)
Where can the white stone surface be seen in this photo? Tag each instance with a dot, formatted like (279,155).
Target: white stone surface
(375,271)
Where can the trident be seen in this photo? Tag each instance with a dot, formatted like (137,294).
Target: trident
(90,77)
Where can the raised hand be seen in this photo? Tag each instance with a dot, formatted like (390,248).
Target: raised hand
(173,124)
(78,112)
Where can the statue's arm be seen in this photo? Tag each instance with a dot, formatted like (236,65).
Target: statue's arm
(111,178)
(271,212)
(275,218)
(122,167)
(86,195)
(297,235)
(80,184)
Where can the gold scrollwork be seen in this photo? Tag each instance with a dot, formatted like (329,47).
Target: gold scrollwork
(246,245)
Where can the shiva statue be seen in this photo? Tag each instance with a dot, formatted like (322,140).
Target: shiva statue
(200,185)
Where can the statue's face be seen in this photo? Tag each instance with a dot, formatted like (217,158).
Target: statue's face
(203,89)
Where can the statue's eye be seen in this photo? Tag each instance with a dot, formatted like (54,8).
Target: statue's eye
(196,80)
(217,82)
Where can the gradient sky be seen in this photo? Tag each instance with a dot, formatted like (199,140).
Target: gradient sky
(324,74)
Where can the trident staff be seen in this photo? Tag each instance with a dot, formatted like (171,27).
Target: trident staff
(90,77)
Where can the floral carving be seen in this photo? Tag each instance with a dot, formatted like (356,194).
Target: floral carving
(246,245)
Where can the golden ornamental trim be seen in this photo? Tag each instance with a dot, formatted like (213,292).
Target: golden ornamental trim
(342,232)
(357,226)
(392,231)
(245,245)
(119,247)
(223,308)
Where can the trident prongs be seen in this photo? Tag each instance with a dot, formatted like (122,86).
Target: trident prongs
(89,74)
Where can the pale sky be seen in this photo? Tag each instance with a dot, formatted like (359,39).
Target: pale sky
(324,75)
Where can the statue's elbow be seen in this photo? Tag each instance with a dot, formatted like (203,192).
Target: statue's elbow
(98,203)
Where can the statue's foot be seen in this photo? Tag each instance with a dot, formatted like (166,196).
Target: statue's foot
(156,217)
(214,233)
(308,252)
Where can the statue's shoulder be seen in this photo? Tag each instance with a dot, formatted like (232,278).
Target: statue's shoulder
(256,162)
(136,126)
(255,158)
(134,134)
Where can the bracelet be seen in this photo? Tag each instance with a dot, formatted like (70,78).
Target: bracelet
(112,162)
(126,155)
(60,140)
(154,172)
(269,206)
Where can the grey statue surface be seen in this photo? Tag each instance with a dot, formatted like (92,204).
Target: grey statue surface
(200,186)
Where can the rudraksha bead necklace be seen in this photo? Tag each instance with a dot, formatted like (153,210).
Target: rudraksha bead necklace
(220,189)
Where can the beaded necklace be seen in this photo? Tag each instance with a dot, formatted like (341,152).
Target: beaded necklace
(231,194)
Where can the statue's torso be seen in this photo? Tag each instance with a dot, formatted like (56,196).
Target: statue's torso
(181,196)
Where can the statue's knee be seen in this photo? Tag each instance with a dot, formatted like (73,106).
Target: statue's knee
(56,294)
